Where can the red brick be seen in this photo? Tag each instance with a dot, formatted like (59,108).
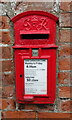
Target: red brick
(65,105)
(8,91)
(53,115)
(0,104)
(46,107)
(64,77)
(0,79)
(38,107)
(65,50)
(18,114)
(6,65)
(5,37)
(71,78)
(65,35)
(4,22)
(65,19)
(31,107)
(8,79)
(64,63)
(0,66)
(65,6)
(8,104)
(71,116)
(65,92)
(0,52)
(0,92)
(6,52)
(27,107)
(36,6)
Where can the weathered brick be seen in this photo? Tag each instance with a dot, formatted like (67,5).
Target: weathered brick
(31,107)
(4,22)
(65,92)
(0,79)
(71,116)
(65,105)
(65,6)
(0,114)
(65,35)
(42,115)
(48,6)
(5,37)
(65,50)
(64,77)
(0,91)
(6,65)
(8,79)
(27,107)
(0,66)
(65,63)
(65,19)
(0,103)
(0,52)
(6,52)
(8,91)
(46,107)
(18,114)
(40,107)
(8,104)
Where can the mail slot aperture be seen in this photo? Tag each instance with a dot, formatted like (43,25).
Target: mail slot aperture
(35,57)
(34,34)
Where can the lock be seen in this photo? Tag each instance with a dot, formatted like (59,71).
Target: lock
(20,75)
(35,57)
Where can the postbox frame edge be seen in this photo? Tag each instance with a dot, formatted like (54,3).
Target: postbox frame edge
(26,13)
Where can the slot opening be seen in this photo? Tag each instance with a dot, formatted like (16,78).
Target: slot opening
(34,36)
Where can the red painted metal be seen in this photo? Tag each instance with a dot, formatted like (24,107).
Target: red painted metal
(28,13)
(36,24)
(34,32)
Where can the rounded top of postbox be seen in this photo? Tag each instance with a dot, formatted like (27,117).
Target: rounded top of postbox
(28,13)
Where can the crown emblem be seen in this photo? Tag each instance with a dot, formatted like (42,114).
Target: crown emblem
(34,19)
(35,23)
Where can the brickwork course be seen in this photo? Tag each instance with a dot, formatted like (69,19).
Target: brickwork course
(62,107)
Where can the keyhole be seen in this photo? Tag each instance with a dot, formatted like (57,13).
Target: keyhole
(20,75)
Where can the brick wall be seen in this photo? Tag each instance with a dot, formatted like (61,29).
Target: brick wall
(62,108)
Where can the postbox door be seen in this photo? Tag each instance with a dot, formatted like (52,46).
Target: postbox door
(42,68)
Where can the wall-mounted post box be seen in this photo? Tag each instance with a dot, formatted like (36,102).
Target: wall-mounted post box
(35,57)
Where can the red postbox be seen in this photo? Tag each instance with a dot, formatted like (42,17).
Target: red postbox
(35,57)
